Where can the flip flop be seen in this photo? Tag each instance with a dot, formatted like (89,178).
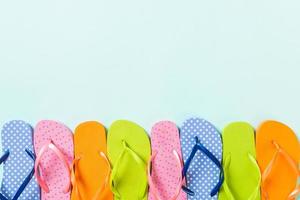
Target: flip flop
(53,143)
(202,151)
(129,152)
(164,177)
(91,168)
(18,182)
(278,155)
(1,166)
(242,174)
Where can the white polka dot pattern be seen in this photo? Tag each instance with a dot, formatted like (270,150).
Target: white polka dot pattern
(53,170)
(203,174)
(17,137)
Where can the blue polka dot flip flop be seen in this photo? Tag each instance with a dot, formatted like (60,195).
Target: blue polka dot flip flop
(1,166)
(18,159)
(202,152)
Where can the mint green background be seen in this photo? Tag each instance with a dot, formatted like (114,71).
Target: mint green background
(150,60)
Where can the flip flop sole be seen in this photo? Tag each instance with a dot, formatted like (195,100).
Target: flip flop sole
(16,138)
(54,171)
(283,180)
(203,174)
(165,174)
(130,176)
(89,142)
(242,177)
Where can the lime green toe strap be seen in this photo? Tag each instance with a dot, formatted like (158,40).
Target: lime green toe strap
(114,174)
(226,188)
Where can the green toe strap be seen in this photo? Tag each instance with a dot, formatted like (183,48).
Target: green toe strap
(226,187)
(114,174)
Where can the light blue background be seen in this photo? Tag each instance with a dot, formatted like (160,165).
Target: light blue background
(145,61)
(73,60)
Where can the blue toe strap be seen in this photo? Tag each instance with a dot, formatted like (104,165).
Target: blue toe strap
(200,147)
(4,157)
(26,180)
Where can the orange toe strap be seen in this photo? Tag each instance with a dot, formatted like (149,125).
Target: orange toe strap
(74,178)
(290,161)
(294,193)
(106,181)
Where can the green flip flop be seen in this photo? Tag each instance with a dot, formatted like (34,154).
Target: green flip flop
(241,171)
(129,152)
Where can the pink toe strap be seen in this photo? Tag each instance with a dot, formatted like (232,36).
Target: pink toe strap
(180,180)
(50,145)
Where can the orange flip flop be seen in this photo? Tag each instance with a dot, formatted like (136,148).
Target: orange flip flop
(91,168)
(278,155)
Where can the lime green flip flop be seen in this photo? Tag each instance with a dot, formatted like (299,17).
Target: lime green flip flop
(129,152)
(241,171)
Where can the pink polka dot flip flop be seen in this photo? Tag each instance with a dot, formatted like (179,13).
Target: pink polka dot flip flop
(165,178)
(53,143)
